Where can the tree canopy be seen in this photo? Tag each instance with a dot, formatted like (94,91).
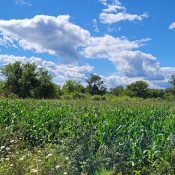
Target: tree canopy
(138,89)
(26,80)
(96,85)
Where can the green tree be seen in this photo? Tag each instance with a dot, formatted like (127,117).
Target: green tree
(2,85)
(72,87)
(13,73)
(155,93)
(172,82)
(117,91)
(96,85)
(137,89)
(45,88)
(58,91)
(26,80)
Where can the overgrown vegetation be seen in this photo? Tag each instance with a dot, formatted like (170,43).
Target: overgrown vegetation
(28,81)
(123,136)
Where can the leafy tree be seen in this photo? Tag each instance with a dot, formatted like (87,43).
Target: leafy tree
(79,88)
(45,88)
(13,73)
(72,87)
(68,87)
(155,93)
(58,91)
(2,84)
(172,82)
(117,91)
(26,80)
(137,89)
(96,85)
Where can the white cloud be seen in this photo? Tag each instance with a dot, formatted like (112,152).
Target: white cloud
(131,63)
(60,72)
(124,54)
(172,26)
(115,12)
(23,2)
(109,18)
(6,41)
(95,25)
(58,36)
(47,34)
(116,79)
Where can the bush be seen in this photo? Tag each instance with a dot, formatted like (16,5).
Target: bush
(66,97)
(78,96)
(98,98)
(12,96)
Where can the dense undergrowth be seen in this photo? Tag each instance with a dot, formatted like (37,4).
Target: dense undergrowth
(56,137)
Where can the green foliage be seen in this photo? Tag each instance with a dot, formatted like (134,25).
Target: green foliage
(117,91)
(155,93)
(103,172)
(13,72)
(96,85)
(78,95)
(26,80)
(72,87)
(172,81)
(137,89)
(2,85)
(98,98)
(125,136)
(45,87)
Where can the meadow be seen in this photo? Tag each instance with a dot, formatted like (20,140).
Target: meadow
(87,137)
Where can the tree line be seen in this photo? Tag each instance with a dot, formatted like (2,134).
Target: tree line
(29,81)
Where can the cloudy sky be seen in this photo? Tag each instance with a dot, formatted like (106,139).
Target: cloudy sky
(122,41)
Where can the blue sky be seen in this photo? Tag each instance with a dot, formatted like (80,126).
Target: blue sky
(120,40)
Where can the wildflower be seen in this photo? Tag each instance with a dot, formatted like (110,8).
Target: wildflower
(2,159)
(21,159)
(49,155)
(8,149)
(7,159)
(65,173)
(67,158)
(12,141)
(2,147)
(57,166)
(34,171)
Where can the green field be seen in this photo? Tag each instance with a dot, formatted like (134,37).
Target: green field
(58,137)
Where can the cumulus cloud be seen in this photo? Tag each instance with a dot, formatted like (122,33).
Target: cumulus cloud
(47,34)
(131,63)
(59,37)
(116,12)
(60,72)
(6,41)
(172,26)
(124,54)
(116,79)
